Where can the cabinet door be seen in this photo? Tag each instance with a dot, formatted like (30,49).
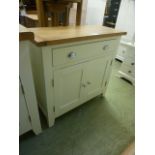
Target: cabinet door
(24,123)
(93,76)
(67,84)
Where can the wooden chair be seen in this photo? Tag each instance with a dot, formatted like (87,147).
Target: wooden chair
(59,13)
(44,5)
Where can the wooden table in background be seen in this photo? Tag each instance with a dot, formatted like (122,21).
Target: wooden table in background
(41,12)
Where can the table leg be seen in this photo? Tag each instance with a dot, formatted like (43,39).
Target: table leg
(79,13)
(41,13)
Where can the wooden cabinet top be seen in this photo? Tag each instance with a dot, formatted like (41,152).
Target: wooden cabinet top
(58,35)
(73,1)
(25,34)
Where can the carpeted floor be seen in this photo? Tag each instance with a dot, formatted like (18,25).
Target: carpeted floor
(102,126)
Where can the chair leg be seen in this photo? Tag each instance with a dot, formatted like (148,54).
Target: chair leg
(66,18)
(55,19)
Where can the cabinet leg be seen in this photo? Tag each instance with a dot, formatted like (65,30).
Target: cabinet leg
(37,131)
(50,122)
(101,95)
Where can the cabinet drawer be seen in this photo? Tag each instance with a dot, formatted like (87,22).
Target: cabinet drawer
(130,52)
(121,50)
(127,49)
(130,61)
(77,53)
(130,70)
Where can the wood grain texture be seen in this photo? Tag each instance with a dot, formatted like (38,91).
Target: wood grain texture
(41,13)
(25,34)
(59,35)
(79,13)
(32,16)
(56,9)
(41,10)
(61,1)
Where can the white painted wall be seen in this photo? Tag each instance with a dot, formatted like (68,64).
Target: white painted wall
(95,12)
(72,16)
(126,19)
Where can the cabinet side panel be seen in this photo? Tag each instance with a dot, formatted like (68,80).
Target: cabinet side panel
(25,72)
(108,71)
(49,87)
(24,123)
(37,69)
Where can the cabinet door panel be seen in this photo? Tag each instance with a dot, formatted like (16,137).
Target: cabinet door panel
(24,123)
(67,83)
(93,78)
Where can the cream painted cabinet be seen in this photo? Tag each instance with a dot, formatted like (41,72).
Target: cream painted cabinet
(68,75)
(24,121)
(93,76)
(127,70)
(78,83)
(28,107)
(67,85)
(70,66)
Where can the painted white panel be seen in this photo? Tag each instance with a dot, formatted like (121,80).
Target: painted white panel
(95,12)
(67,88)
(126,19)
(24,123)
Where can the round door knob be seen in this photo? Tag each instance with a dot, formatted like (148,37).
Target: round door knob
(83,85)
(72,55)
(129,71)
(105,47)
(88,83)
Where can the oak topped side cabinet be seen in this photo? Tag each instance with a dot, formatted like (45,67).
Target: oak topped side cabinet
(68,75)
(71,65)
(28,108)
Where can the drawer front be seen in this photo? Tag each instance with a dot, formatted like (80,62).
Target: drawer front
(77,53)
(130,70)
(130,52)
(130,61)
(121,51)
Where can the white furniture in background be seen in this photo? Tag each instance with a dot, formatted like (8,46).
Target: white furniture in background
(126,19)
(127,69)
(28,108)
(95,12)
(121,51)
(126,22)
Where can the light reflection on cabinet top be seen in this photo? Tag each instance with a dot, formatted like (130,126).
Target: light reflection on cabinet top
(59,35)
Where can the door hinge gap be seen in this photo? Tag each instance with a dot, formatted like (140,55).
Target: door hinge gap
(105,83)
(111,62)
(52,82)
(53,108)
(29,118)
(22,88)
